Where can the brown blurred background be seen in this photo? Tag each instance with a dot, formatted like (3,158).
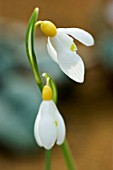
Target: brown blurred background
(88,108)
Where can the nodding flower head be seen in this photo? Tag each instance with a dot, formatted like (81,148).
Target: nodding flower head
(49,125)
(62,49)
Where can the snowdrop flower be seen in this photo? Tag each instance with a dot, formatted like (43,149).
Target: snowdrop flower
(62,49)
(49,125)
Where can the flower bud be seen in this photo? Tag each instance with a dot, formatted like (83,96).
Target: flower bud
(48,28)
(47,93)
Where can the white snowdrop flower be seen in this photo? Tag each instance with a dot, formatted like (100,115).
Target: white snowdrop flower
(62,49)
(49,125)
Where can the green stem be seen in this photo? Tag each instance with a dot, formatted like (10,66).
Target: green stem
(48,160)
(68,156)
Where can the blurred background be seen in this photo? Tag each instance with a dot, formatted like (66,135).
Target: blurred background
(87,108)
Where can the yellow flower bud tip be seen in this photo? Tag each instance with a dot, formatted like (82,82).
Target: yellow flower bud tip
(47,93)
(48,28)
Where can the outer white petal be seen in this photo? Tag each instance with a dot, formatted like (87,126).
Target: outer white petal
(47,129)
(36,125)
(36,129)
(61,129)
(56,41)
(47,132)
(79,34)
(66,40)
(52,51)
(72,65)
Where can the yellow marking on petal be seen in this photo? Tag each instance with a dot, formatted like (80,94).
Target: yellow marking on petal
(56,123)
(73,47)
(48,28)
(47,93)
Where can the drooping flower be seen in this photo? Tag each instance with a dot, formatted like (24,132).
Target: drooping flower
(62,49)
(49,125)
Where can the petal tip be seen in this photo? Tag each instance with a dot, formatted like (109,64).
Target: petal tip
(48,147)
(59,143)
(80,80)
(91,42)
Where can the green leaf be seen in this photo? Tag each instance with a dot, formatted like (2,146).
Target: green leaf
(30,47)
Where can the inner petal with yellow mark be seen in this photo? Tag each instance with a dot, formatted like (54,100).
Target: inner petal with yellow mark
(73,47)
(56,123)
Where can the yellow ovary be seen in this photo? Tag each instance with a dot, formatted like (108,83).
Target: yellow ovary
(48,28)
(47,93)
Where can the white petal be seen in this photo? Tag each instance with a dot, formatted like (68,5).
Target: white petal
(47,129)
(72,65)
(59,40)
(52,51)
(47,132)
(36,128)
(61,130)
(36,125)
(79,34)
(65,39)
